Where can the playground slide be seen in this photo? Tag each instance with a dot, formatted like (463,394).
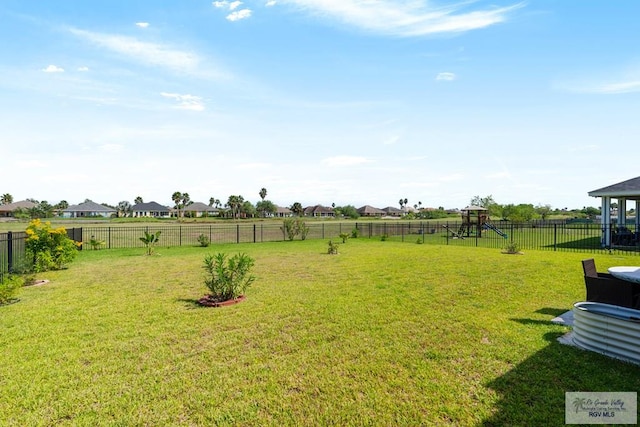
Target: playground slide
(494,228)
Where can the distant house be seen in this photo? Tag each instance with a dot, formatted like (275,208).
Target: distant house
(198,209)
(88,209)
(370,211)
(7,211)
(319,211)
(391,211)
(283,212)
(150,209)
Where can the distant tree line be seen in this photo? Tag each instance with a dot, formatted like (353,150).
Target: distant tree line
(237,207)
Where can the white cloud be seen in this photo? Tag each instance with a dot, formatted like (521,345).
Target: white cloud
(345,161)
(408,18)
(83,69)
(234,5)
(111,148)
(446,77)
(142,24)
(451,177)
(149,53)
(391,140)
(614,88)
(186,102)
(53,69)
(238,15)
(221,4)
(255,165)
(270,3)
(499,175)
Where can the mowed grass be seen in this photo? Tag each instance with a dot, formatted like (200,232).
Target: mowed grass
(385,333)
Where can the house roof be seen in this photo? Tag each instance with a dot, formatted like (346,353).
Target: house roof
(370,210)
(317,209)
(23,204)
(89,207)
(281,209)
(200,207)
(150,207)
(391,209)
(629,189)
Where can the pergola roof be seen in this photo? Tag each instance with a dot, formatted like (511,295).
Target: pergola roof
(629,189)
(474,208)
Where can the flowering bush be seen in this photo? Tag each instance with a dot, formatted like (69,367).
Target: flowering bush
(49,248)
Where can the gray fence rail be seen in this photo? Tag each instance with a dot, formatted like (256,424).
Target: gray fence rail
(540,235)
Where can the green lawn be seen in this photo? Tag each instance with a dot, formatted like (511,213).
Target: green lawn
(385,333)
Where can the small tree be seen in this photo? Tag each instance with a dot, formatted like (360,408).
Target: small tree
(9,287)
(227,278)
(150,240)
(302,228)
(289,228)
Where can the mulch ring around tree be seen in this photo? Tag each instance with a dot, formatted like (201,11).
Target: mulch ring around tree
(37,283)
(210,301)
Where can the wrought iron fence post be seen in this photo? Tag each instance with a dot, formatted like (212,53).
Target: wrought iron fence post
(555,237)
(10,251)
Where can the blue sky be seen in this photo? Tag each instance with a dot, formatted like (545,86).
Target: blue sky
(319,101)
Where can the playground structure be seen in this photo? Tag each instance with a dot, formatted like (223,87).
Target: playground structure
(474,220)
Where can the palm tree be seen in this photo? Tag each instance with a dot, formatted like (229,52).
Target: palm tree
(124,207)
(296,208)
(186,201)
(62,205)
(138,200)
(177,197)
(263,193)
(214,202)
(6,199)
(234,203)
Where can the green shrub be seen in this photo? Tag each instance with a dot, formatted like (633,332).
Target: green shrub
(303,228)
(295,226)
(96,243)
(344,237)
(333,248)
(384,237)
(9,286)
(227,278)
(355,233)
(50,249)
(289,228)
(150,240)
(512,248)
(203,240)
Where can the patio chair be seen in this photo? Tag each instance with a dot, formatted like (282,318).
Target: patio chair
(604,288)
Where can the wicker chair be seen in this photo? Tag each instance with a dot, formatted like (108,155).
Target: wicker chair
(604,288)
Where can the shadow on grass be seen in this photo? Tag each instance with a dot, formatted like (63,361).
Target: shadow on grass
(190,303)
(533,392)
(555,312)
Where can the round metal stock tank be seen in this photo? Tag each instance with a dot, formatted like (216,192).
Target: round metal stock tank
(607,329)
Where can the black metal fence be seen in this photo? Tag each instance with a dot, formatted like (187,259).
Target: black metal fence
(539,235)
